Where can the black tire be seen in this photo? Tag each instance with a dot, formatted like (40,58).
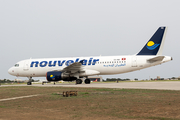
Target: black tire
(78,81)
(87,81)
(29,83)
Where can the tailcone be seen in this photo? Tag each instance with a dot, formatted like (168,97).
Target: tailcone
(167,58)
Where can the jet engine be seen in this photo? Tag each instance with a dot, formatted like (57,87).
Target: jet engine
(57,76)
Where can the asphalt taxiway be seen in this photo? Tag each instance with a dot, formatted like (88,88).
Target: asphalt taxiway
(160,85)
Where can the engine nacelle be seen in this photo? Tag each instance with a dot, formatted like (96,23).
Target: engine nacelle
(56,76)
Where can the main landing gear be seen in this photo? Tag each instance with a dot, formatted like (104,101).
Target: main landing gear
(87,81)
(79,81)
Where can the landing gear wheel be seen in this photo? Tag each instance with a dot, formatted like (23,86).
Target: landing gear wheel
(87,81)
(29,83)
(78,81)
(30,80)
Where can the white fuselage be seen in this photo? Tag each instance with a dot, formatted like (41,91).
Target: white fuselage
(102,65)
(69,69)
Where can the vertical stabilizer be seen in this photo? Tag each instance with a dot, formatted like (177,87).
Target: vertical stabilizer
(155,45)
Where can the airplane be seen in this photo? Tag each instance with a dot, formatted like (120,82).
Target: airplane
(78,68)
(96,80)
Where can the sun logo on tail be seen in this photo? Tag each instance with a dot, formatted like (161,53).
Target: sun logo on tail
(151,45)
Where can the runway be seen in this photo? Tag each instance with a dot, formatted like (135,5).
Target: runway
(160,85)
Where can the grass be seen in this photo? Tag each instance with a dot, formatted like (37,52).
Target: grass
(91,103)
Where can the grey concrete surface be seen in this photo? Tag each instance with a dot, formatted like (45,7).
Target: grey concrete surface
(164,85)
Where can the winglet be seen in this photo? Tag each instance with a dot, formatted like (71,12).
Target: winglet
(155,44)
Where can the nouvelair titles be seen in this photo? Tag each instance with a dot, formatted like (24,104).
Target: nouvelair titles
(91,61)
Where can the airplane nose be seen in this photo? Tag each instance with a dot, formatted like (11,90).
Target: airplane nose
(10,71)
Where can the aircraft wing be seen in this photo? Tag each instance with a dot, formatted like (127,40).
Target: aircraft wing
(74,67)
(155,59)
(77,67)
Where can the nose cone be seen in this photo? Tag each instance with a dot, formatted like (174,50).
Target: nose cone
(11,71)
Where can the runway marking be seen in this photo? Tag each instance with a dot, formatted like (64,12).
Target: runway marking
(18,97)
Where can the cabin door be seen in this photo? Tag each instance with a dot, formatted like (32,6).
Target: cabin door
(26,65)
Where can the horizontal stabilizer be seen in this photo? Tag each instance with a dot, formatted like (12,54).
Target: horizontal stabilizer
(155,59)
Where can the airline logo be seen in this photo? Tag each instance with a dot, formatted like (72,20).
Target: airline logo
(51,76)
(151,45)
(55,63)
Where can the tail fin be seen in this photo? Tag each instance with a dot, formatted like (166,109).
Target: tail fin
(155,44)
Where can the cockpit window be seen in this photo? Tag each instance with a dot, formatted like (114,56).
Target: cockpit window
(16,65)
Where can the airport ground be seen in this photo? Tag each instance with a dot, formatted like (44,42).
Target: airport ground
(44,102)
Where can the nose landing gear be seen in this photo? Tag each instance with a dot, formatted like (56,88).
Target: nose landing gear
(30,81)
